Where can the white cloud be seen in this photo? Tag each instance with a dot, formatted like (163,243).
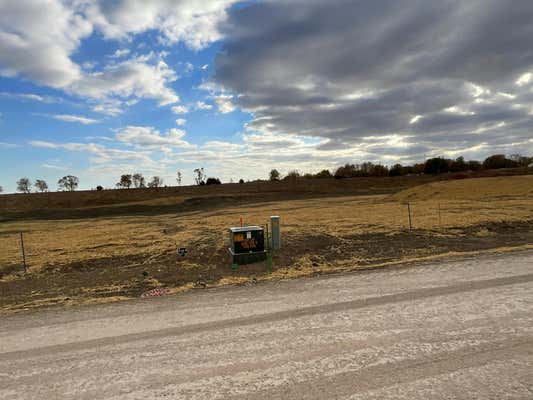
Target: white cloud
(101,153)
(29,97)
(73,118)
(181,121)
(524,79)
(415,119)
(180,109)
(52,166)
(220,95)
(108,107)
(188,67)
(183,21)
(106,138)
(120,53)
(200,105)
(32,33)
(223,146)
(266,140)
(88,65)
(141,77)
(458,110)
(205,66)
(39,37)
(224,103)
(149,137)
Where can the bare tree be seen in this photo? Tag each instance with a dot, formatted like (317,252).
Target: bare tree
(24,185)
(520,159)
(178,177)
(199,177)
(155,182)
(138,180)
(69,182)
(41,185)
(1,189)
(125,181)
(292,176)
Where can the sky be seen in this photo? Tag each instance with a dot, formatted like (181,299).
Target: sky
(98,89)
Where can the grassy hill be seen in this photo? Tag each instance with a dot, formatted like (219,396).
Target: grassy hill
(181,199)
(479,189)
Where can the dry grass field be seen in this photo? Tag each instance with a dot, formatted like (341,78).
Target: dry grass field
(121,247)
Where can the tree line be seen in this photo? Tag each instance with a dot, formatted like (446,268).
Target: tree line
(432,166)
(126,181)
(138,181)
(67,183)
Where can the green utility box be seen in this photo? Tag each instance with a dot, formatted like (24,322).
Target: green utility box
(247,244)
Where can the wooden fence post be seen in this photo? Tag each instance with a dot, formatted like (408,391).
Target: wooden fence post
(23,252)
(409,212)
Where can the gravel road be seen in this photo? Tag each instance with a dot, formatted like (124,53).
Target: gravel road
(446,330)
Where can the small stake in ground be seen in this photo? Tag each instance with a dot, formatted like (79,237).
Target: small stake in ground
(409,212)
(23,252)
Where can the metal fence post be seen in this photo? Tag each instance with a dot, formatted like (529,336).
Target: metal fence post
(268,250)
(276,235)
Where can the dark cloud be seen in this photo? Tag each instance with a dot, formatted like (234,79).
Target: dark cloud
(440,72)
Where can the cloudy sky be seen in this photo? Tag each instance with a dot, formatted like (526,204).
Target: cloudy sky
(100,88)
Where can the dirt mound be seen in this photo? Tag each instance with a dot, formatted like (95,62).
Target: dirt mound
(470,189)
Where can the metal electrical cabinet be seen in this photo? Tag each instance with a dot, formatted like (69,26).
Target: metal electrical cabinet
(247,244)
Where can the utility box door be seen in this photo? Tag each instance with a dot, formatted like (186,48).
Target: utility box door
(247,239)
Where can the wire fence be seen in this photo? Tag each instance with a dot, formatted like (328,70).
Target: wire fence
(24,248)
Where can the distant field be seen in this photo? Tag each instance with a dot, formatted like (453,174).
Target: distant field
(482,189)
(128,201)
(80,251)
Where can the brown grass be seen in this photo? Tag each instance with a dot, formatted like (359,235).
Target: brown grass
(480,189)
(323,233)
(50,242)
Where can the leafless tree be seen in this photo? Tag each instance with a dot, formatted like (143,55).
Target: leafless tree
(138,180)
(41,185)
(178,177)
(125,181)
(69,183)
(24,185)
(199,177)
(155,182)
(292,175)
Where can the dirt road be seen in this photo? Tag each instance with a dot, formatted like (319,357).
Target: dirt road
(453,330)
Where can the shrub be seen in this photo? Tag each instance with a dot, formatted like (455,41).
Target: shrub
(274,175)
(212,181)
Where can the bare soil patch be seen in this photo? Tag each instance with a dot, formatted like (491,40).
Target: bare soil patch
(130,276)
